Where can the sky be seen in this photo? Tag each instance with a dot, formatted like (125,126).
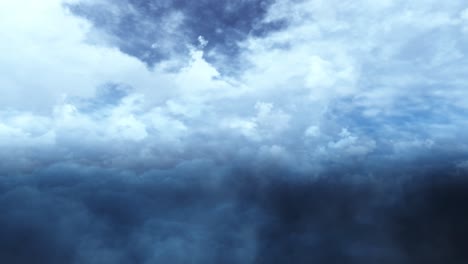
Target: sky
(233,131)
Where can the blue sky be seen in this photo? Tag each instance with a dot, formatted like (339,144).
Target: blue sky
(102,97)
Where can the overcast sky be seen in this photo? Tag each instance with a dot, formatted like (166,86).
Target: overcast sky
(220,131)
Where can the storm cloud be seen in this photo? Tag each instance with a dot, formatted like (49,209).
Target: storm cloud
(201,213)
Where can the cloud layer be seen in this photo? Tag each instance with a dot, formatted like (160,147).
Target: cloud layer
(203,213)
(233,131)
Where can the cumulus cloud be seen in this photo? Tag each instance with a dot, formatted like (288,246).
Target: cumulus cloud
(332,68)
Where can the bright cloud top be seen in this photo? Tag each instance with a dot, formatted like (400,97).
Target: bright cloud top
(304,82)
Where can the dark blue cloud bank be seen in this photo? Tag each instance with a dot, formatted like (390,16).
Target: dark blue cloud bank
(233,131)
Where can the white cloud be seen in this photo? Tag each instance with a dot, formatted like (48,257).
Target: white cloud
(48,55)
(351,64)
(312,131)
(266,124)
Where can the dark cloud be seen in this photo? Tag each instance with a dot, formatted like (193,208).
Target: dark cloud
(154,31)
(209,214)
(430,226)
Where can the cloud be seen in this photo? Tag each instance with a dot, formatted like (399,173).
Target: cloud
(76,214)
(154,32)
(332,86)
(247,132)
